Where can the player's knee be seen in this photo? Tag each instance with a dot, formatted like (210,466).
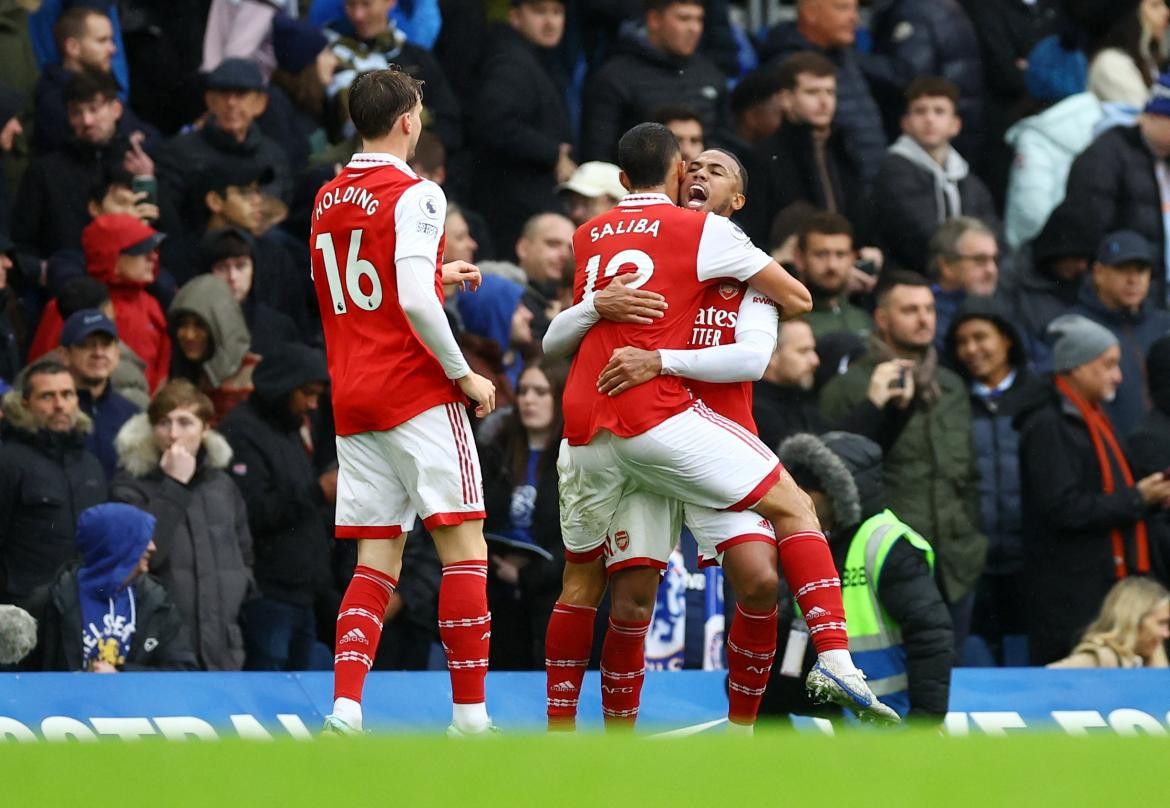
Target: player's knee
(632,609)
(633,595)
(759,590)
(583,584)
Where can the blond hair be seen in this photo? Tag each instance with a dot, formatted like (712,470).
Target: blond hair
(1120,620)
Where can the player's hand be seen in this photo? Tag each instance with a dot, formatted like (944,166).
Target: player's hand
(481,391)
(628,367)
(178,464)
(461,275)
(619,303)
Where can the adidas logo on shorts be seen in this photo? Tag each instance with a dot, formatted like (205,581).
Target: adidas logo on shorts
(355,635)
(815,612)
(563,687)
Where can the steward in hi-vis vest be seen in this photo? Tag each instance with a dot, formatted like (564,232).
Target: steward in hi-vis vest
(899,627)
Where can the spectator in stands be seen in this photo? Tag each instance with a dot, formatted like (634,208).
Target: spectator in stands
(1129,56)
(173,467)
(288,505)
(593,189)
(1114,184)
(1008,30)
(459,245)
(824,261)
(51,206)
(923,181)
(296,113)
(545,253)
(520,129)
(107,614)
(1116,297)
(1045,146)
(1049,284)
(89,343)
(829,28)
(1149,444)
(520,495)
(122,253)
(1130,632)
(929,468)
(47,478)
(498,333)
(964,260)
(986,349)
(900,632)
(235,98)
(1085,516)
(686,126)
(808,158)
(783,400)
(756,109)
(229,254)
(212,344)
(928,38)
(128,378)
(651,67)
(373,42)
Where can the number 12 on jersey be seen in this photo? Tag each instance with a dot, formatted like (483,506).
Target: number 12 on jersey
(355,269)
(643,268)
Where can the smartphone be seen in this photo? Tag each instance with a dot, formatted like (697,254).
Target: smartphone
(900,382)
(149,185)
(868,267)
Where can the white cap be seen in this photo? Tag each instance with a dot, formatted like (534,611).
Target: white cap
(595,178)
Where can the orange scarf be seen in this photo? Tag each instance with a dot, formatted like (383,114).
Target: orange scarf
(1101,433)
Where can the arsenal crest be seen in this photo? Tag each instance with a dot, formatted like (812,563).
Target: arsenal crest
(623,540)
(728,290)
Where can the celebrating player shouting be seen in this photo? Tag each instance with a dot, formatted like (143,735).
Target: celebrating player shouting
(404,443)
(637,543)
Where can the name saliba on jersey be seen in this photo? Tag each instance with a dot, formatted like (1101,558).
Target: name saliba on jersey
(715,323)
(621,227)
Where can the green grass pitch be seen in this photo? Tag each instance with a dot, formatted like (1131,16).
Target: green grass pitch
(775,768)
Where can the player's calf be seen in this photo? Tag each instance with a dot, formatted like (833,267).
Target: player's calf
(569,638)
(359,630)
(751,641)
(623,655)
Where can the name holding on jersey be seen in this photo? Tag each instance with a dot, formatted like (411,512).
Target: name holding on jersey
(647,226)
(349,195)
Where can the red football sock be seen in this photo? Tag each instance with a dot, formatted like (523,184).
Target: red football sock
(808,569)
(566,651)
(465,628)
(623,669)
(359,628)
(751,646)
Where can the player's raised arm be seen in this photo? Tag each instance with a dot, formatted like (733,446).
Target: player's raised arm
(787,292)
(743,360)
(617,302)
(725,251)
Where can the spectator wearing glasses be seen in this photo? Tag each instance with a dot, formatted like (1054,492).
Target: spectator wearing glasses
(964,260)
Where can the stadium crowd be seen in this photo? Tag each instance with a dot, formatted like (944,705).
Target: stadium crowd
(974,192)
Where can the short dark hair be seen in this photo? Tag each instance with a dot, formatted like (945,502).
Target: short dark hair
(932,87)
(753,89)
(675,112)
(645,153)
(662,5)
(88,85)
(804,62)
(42,367)
(429,154)
(825,223)
(72,25)
(896,276)
(378,98)
(82,292)
(743,175)
(111,176)
(789,222)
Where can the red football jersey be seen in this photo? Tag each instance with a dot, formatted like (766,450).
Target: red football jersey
(714,324)
(375,212)
(675,252)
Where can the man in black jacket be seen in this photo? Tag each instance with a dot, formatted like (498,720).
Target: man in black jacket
(108,614)
(1114,183)
(807,159)
(829,27)
(842,473)
(47,478)
(50,208)
(1085,512)
(651,68)
(783,400)
(520,123)
(287,500)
